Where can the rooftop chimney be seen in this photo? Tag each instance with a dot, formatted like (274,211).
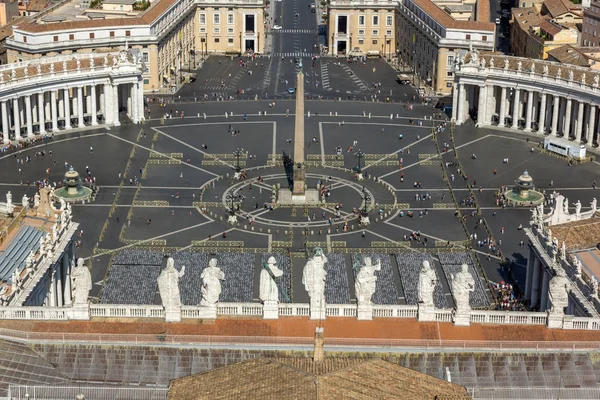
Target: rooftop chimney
(319,340)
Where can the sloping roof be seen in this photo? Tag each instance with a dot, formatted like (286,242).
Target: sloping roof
(556,7)
(301,378)
(7,30)
(448,22)
(526,17)
(578,234)
(37,5)
(568,54)
(549,27)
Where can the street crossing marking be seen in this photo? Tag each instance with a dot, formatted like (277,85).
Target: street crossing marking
(294,31)
(360,83)
(325,77)
(297,55)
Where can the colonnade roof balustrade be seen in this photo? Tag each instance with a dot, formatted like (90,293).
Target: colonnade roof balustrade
(527,68)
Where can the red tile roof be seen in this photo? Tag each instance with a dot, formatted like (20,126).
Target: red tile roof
(447,21)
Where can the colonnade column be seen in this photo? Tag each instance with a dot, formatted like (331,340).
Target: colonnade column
(529,273)
(54,111)
(28,116)
(555,108)
(134,106)
(42,120)
(542,120)
(455,94)
(140,100)
(52,291)
(544,295)
(529,111)
(591,124)
(481,106)
(580,124)
(59,289)
(5,127)
(516,108)
(67,109)
(80,122)
(116,105)
(67,278)
(461,104)
(567,127)
(16,120)
(108,108)
(535,284)
(502,116)
(94,111)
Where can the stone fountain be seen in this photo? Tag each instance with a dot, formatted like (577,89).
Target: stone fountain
(73,191)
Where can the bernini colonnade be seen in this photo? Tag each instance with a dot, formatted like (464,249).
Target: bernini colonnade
(529,95)
(66,92)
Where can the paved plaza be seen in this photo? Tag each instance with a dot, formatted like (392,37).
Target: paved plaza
(184,168)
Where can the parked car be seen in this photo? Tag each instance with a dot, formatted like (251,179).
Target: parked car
(291,90)
(276,27)
(497,21)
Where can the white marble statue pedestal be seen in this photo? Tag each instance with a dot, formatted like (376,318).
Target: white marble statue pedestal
(318,313)
(310,196)
(207,311)
(364,221)
(555,320)
(359,176)
(237,175)
(270,310)
(232,219)
(173,315)
(80,312)
(425,313)
(364,312)
(462,318)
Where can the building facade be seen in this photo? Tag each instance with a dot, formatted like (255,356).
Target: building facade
(590,30)
(8,11)
(171,35)
(363,28)
(431,40)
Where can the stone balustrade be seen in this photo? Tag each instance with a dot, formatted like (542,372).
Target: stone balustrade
(567,322)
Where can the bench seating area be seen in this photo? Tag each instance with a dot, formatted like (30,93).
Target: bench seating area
(14,256)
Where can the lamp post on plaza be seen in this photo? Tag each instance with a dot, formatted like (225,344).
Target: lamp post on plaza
(359,155)
(238,153)
(232,200)
(364,211)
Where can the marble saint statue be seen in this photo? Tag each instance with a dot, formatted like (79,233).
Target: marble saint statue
(462,285)
(81,283)
(269,292)
(558,292)
(36,200)
(427,281)
(211,283)
(313,279)
(168,285)
(25,201)
(366,281)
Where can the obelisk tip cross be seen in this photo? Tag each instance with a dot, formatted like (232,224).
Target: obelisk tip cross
(299,178)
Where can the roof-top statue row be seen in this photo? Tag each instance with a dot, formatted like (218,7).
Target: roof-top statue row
(269,291)
(168,287)
(313,278)
(427,281)
(211,283)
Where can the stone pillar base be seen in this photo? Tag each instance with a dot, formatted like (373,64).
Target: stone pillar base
(359,177)
(555,320)
(173,315)
(462,318)
(318,313)
(425,313)
(270,310)
(208,312)
(364,221)
(232,219)
(568,322)
(365,312)
(80,312)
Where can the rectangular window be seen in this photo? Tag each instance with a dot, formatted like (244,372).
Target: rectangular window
(450,60)
(484,38)
(449,74)
(202,30)
(56,38)
(24,39)
(146,81)
(230,40)
(216,19)
(112,34)
(361,32)
(230,18)
(375,19)
(216,40)
(448,84)
(127,33)
(229,30)
(71,36)
(374,41)
(216,30)
(145,57)
(375,32)
(468,37)
(203,18)
(388,20)
(389,33)
(361,41)
(361,20)
(92,35)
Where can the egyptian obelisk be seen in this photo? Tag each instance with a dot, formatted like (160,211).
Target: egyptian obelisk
(298,192)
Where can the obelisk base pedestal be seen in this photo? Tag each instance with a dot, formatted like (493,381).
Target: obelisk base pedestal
(286,196)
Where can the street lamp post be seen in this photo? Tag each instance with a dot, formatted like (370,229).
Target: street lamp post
(238,153)
(232,200)
(364,211)
(359,155)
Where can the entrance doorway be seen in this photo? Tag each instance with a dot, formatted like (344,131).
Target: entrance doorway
(249,45)
(341,47)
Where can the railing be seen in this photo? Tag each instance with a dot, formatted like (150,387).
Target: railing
(508,317)
(395,311)
(247,309)
(126,311)
(585,323)
(90,392)
(34,313)
(443,315)
(340,310)
(294,310)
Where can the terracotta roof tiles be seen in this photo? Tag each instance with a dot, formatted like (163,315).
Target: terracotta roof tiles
(447,21)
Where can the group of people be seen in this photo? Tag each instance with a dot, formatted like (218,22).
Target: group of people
(508,300)
(25,142)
